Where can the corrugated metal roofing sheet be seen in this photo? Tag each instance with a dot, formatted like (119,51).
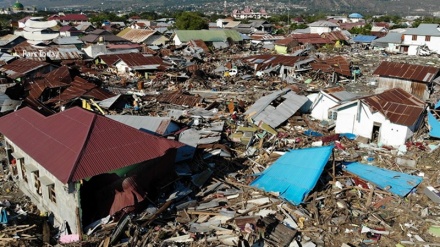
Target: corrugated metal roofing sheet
(337,64)
(80,87)
(21,67)
(295,173)
(262,110)
(397,105)
(131,59)
(397,183)
(179,98)
(157,125)
(406,71)
(136,35)
(76,144)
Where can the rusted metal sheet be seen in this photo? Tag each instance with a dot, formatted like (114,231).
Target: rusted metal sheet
(199,43)
(397,105)
(179,98)
(406,71)
(21,67)
(336,64)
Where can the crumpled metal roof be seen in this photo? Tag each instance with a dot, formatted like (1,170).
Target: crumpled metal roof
(41,53)
(397,105)
(136,35)
(263,110)
(413,72)
(21,67)
(338,64)
(179,98)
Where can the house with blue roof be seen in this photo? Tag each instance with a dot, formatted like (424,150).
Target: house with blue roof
(364,39)
(425,35)
(355,17)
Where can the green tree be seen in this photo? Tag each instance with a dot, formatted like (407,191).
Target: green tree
(191,21)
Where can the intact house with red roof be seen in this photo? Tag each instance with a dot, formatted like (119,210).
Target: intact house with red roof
(81,167)
(413,78)
(392,116)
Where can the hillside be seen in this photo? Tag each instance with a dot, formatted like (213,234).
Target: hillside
(401,7)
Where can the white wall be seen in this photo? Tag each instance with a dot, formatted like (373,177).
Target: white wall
(321,105)
(121,67)
(348,121)
(393,48)
(177,40)
(433,44)
(319,30)
(66,203)
(393,134)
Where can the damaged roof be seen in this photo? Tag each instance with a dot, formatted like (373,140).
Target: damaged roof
(59,77)
(21,67)
(80,87)
(397,105)
(77,144)
(337,64)
(136,35)
(274,114)
(407,71)
(179,98)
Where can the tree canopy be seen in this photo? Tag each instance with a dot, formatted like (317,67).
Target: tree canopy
(191,21)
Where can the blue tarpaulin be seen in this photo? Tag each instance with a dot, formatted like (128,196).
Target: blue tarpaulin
(364,38)
(3,216)
(434,123)
(397,183)
(295,173)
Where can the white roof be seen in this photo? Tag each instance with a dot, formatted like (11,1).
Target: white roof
(40,24)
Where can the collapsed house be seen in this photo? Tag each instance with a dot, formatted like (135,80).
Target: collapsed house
(68,162)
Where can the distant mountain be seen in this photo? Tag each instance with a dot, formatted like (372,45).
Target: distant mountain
(400,7)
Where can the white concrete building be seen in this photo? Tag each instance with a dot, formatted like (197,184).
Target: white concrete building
(424,35)
(392,117)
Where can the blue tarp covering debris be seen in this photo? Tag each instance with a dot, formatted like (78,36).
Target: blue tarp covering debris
(295,173)
(364,38)
(434,123)
(397,183)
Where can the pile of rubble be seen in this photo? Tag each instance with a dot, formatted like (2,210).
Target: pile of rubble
(214,203)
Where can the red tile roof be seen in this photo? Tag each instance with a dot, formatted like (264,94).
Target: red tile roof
(397,105)
(76,144)
(406,71)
